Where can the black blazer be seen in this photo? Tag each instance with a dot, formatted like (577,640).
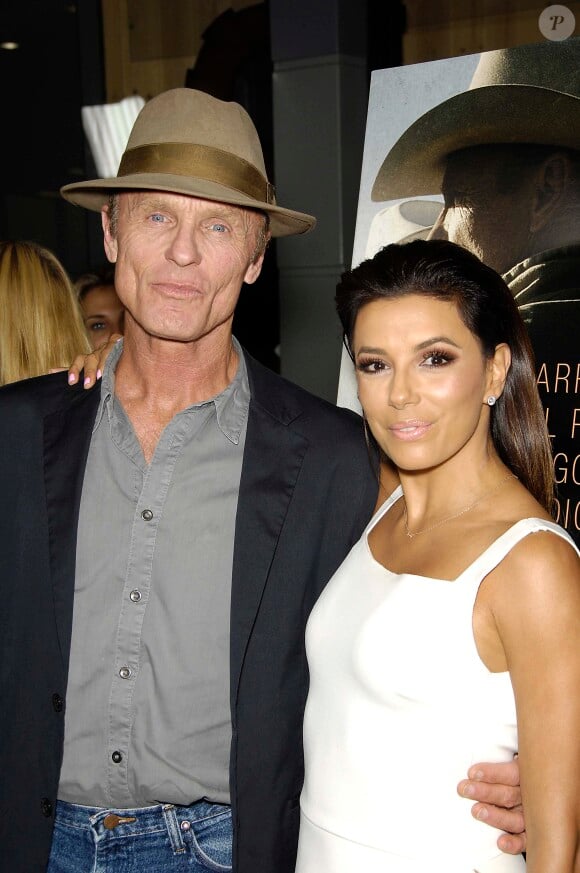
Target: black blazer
(306,492)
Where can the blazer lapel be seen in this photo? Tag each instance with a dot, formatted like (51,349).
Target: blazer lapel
(273,457)
(67,434)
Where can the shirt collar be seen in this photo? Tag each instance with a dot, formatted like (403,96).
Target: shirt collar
(108,382)
(234,401)
(231,404)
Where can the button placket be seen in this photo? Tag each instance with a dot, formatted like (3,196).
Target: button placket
(150,495)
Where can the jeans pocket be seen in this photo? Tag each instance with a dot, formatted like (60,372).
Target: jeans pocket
(212,841)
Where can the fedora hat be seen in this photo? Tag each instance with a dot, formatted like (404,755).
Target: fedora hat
(187,142)
(526,94)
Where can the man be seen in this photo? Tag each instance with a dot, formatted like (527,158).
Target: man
(505,155)
(194,504)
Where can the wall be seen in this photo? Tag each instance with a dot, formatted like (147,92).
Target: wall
(450,28)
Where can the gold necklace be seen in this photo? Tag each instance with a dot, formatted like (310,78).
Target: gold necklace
(412,534)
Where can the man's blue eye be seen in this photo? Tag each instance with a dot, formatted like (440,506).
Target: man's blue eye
(220,227)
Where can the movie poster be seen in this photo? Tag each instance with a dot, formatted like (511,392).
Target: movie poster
(496,138)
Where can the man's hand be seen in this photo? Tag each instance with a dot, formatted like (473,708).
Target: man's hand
(92,364)
(496,788)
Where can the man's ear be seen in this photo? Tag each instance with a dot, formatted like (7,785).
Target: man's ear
(551,180)
(109,241)
(254,270)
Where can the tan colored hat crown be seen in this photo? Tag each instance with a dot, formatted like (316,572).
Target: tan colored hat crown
(526,94)
(187,142)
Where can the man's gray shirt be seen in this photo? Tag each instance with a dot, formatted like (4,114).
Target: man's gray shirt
(148,716)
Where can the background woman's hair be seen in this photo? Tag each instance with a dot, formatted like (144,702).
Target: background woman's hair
(446,271)
(104,275)
(41,325)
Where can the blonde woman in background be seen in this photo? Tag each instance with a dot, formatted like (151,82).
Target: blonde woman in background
(41,325)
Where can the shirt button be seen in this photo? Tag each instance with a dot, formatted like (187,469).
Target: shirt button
(147,515)
(117,757)
(57,702)
(125,672)
(46,807)
(135,595)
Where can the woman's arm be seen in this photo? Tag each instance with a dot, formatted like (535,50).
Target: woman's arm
(537,612)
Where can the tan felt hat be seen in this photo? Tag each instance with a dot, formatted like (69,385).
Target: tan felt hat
(187,142)
(525,94)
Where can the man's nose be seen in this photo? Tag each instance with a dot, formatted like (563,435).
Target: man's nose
(185,246)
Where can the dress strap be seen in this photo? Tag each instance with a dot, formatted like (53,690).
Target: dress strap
(384,508)
(496,552)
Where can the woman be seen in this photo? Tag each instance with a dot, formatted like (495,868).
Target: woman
(448,619)
(41,326)
(103,312)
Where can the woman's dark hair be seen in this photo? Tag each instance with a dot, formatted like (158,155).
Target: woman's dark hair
(446,271)
(103,275)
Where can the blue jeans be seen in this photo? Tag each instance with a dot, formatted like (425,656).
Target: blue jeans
(157,839)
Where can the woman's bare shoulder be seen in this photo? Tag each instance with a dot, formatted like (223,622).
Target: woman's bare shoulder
(542,569)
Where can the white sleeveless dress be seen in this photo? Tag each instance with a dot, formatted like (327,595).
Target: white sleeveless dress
(400,705)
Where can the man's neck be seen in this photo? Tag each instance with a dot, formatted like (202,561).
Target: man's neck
(175,373)
(156,379)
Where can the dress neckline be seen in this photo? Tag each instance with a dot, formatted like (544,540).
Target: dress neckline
(541,524)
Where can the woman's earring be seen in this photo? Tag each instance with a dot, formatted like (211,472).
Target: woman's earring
(491,400)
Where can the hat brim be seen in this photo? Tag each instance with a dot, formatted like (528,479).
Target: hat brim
(489,115)
(93,194)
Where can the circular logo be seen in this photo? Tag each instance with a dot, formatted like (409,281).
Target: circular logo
(557,22)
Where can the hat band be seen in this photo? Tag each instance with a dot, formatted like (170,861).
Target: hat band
(204,162)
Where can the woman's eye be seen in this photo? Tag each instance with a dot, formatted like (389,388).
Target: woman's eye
(371,366)
(98,325)
(436,359)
